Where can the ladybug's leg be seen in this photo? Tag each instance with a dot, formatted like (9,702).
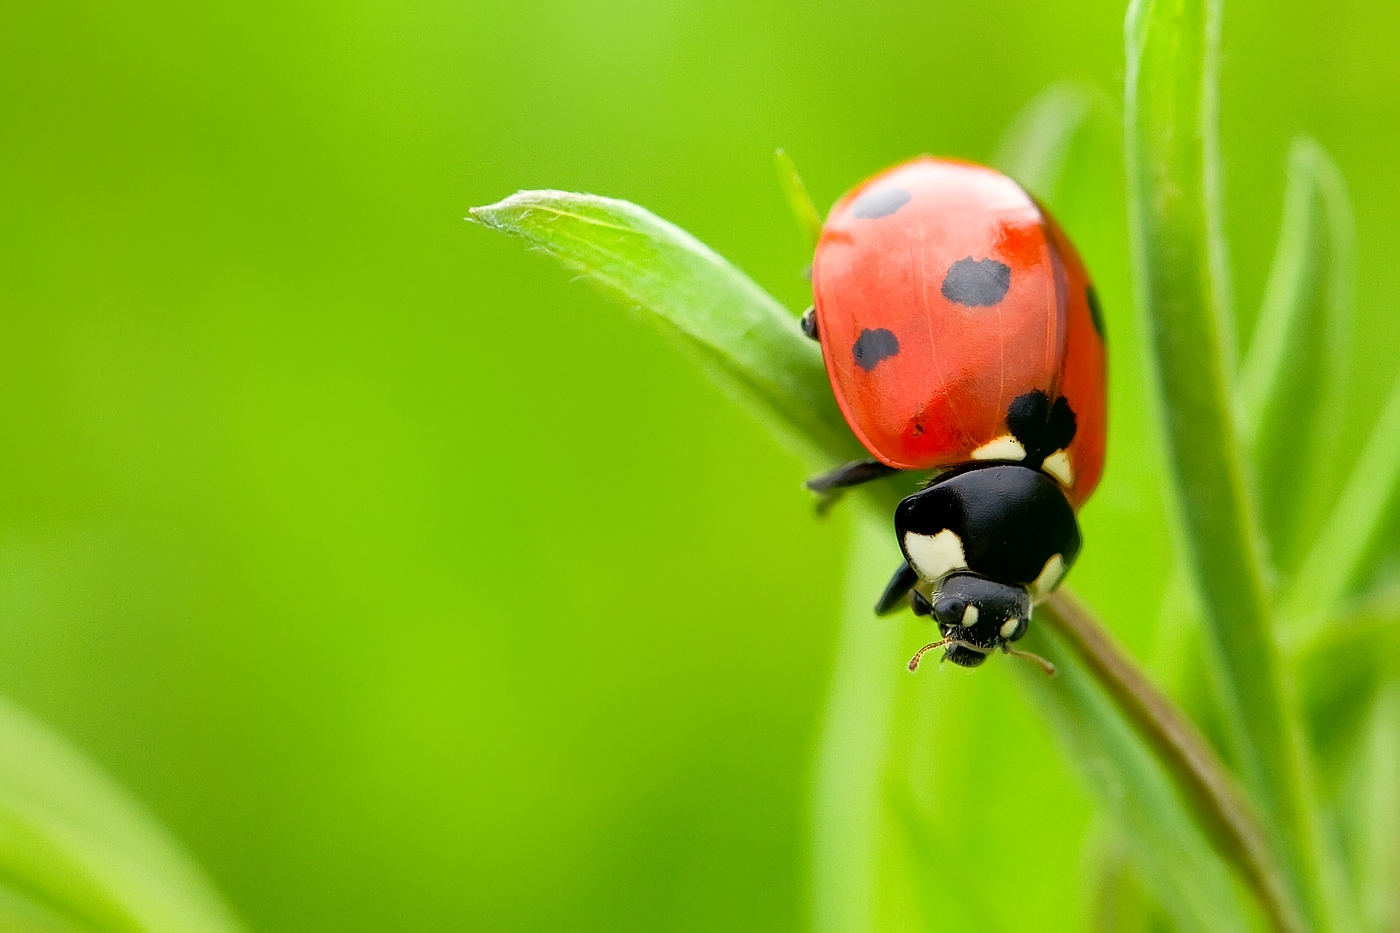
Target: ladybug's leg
(851,474)
(899,586)
(809,323)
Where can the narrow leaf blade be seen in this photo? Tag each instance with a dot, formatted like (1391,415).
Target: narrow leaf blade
(1333,562)
(809,220)
(1034,148)
(741,337)
(1377,814)
(1290,392)
(77,853)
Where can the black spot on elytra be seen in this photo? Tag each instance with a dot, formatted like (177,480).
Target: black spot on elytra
(1096,312)
(977,283)
(873,346)
(1042,428)
(880,203)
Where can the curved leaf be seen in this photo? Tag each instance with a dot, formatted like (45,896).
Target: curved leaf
(1290,391)
(1333,563)
(1035,146)
(740,336)
(76,853)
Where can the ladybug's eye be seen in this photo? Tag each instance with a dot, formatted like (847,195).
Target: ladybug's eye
(950,610)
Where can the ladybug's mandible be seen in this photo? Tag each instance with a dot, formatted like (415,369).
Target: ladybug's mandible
(962,335)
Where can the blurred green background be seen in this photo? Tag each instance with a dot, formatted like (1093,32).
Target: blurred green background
(417,588)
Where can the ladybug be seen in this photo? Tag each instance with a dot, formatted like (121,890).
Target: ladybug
(962,335)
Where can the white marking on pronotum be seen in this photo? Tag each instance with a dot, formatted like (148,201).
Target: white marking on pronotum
(969,618)
(1005,447)
(1058,466)
(1008,628)
(933,557)
(1048,579)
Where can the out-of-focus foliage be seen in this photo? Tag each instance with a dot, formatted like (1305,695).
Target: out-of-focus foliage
(412,587)
(77,854)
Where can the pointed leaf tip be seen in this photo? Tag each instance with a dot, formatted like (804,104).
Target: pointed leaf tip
(742,338)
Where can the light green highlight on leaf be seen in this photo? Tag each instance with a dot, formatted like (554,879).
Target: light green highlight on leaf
(809,220)
(76,853)
(1377,795)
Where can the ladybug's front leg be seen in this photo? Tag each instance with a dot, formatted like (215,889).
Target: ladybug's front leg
(901,585)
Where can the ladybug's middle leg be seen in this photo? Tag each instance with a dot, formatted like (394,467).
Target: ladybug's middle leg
(851,474)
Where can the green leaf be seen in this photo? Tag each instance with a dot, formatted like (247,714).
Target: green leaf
(809,221)
(1339,675)
(1180,867)
(855,739)
(733,330)
(1180,259)
(1376,819)
(1290,392)
(1036,145)
(76,853)
(1332,565)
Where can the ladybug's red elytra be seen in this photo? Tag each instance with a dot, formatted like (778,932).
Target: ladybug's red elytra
(962,335)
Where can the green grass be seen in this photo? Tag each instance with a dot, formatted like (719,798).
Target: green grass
(412,586)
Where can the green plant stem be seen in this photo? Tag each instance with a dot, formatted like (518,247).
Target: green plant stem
(1221,805)
(1178,252)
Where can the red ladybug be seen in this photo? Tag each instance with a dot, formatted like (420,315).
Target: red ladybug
(961,334)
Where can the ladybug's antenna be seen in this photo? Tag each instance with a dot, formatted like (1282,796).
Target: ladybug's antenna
(1045,665)
(914,661)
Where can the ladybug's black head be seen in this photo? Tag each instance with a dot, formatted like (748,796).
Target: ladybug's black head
(975,616)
